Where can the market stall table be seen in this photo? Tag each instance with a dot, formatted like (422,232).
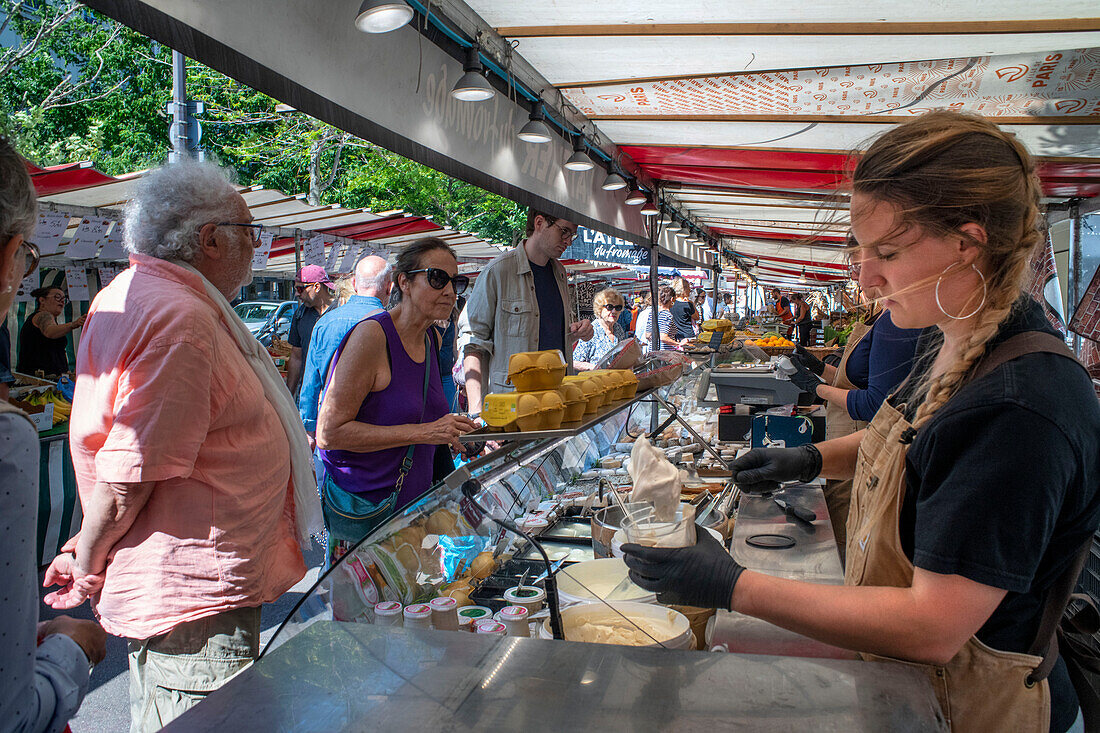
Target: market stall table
(349,677)
(59,513)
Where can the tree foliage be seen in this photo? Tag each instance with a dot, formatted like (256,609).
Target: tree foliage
(75,85)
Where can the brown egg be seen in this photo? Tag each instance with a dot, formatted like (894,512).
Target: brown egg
(462,596)
(482,566)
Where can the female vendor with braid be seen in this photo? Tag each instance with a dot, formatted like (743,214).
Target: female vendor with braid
(975,485)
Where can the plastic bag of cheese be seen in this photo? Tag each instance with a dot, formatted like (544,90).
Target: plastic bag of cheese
(655,479)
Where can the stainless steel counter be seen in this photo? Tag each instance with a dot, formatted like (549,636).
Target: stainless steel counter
(353,677)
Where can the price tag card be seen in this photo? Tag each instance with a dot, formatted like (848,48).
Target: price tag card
(333,256)
(107,273)
(313,251)
(263,251)
(89,235)
(76,278)
(112,245)
(28,284)
(350,258)
(49,230)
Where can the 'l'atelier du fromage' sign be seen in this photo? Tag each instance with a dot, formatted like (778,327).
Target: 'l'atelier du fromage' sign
(596,246)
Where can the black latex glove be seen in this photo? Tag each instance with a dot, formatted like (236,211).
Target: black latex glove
(762,469)
(702,575)
(806,380)
(808,360)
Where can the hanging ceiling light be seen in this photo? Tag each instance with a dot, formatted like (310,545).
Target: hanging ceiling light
(472,86)
(613,182)
(382,16)
(635,197)
(535,131)
(579,160)
(666,218)
(685,229)
(802,277)
(649,208)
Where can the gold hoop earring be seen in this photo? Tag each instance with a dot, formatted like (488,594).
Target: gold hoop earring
(985,291)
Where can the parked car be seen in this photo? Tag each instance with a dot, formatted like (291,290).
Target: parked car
(265,318)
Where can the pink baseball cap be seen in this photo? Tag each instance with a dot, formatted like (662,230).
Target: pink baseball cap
(314,274)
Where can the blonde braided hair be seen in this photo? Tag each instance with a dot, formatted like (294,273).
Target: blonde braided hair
(947,169)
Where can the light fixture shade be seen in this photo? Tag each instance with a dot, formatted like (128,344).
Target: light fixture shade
(473,87)
(684,230)
(635,197)
(536,130)
(802,277)
(613,182)
(649,208)
(579,160)
(382,16)
(666,218)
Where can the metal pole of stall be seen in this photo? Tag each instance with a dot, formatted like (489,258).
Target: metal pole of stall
(297,251)
(654,339)
(1074,285)
(717,274)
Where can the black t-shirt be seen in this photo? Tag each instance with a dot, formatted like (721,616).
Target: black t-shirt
(301,328)
(682,311)
(551,310)
(1003,486)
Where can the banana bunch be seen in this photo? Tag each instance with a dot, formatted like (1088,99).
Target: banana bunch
(62,408)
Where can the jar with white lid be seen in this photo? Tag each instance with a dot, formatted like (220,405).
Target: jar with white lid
(470,616)
(494,628)
(515,620)
(388,613)
(418,616)
(530,597)
(444,613)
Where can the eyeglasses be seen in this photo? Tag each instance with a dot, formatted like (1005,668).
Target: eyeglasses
(301,288)
(438,279)
(615,308)
(59,298)
(255,229)
(567,234)
(29,255)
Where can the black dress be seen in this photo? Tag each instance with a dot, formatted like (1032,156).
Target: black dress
(39,353)
(682,311)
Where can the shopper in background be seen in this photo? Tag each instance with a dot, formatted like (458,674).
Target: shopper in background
(801,310)
(317,293)
(684,313)
(641,324)
(384,420)
(666,324)
(194,474)
(372,280)
(520,302)
(448,330)
(7,379)
(704,304)
(782,308)
(626,316)
(975,491)
(607,305)
(42,340)
(42,687)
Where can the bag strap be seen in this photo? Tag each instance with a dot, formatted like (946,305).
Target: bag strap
(407,461)
(1028,342)
(1058,596)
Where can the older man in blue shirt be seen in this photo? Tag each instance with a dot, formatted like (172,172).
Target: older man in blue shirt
(373,277)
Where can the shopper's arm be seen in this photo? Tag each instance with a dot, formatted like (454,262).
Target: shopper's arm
(294,368)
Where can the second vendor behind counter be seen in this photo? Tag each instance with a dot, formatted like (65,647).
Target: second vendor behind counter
(520,302)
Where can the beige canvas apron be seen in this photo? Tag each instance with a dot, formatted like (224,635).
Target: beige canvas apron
(980,689)
(838,423)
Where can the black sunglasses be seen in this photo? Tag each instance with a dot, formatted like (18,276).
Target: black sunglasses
(438,279)
(615,308)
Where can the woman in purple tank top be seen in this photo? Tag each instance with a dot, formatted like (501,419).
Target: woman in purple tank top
(375,407)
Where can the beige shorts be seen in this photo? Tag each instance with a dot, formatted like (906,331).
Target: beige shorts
(172,672)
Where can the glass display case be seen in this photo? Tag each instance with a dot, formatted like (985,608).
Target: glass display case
(444,546)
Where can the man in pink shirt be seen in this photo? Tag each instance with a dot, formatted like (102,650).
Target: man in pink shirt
(182,463)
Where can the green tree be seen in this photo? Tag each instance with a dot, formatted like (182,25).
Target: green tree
(75,85)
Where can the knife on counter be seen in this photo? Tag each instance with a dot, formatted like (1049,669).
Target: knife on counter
(795,512)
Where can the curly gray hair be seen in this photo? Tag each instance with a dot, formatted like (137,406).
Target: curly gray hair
(18,202)
(172,203)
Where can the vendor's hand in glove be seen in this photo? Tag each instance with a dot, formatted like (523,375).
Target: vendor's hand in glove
(804,379)
(762,469)
(702,575)
(808,360)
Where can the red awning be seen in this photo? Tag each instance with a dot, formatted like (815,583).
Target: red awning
(68,177)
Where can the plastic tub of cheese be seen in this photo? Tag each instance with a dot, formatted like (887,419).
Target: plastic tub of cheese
(534,370)
(601,579)
(590,388)
(644,625)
